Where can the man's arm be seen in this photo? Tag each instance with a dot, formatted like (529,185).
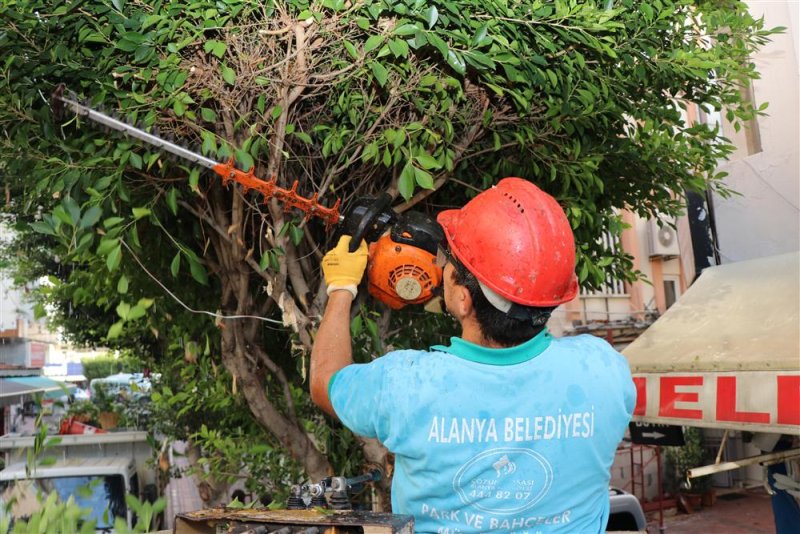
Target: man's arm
(332,347)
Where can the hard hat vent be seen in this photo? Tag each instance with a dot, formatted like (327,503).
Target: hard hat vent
(516,202)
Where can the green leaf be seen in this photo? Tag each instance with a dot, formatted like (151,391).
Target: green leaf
(356,326)
(398,47)
(304,137)
(431,16)
(406,182)
(122,284)
(455,60)
(122,310)
(480,35)
(406,29)
(209,142)
(126,45)
(198,271)
(61,214)
(295,234)
(114,258)
(273,260)
(351,49)
(228,74)
(112,222)
(91,216)
(136,312)
(39,311)
(372,327)
(138,213)
(106,245)
(427,161)
(42,228)
(172,200)
(370,151)
(178,108)
(423,178)
(135,160)
(372,43)
(380,72)
(647,10)
(215,47)
(46,461)
(175,266)
(245,160)
(437,41)
(115,330)
(482,60)
(73,209)
(208,115)
(263,263)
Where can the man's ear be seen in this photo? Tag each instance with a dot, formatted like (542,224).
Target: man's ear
(463,301)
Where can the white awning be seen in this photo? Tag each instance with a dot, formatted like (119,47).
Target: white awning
(727,354)
(14,390)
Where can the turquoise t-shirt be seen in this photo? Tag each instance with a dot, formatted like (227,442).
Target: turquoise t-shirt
(514,440)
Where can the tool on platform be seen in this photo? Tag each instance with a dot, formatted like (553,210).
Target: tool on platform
(331,492)
(401,269)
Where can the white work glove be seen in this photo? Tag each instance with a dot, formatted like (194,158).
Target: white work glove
(344,269)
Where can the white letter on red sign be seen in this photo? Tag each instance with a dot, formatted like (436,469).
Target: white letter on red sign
(669,397)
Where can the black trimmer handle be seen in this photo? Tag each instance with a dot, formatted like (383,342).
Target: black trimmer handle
(367,219)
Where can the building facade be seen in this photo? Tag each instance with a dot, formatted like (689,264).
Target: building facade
(762,219)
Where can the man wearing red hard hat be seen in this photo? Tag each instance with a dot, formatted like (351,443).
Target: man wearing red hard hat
(507,428)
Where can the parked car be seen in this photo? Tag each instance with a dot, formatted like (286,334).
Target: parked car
(626,512)
(96,469)
(132,386)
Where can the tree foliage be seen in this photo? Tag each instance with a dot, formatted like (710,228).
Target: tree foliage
(429,101)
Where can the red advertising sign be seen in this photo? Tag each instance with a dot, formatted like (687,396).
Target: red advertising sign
(767,401)
(38,353)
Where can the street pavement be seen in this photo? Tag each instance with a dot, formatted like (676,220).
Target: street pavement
(740,512)
(182,494)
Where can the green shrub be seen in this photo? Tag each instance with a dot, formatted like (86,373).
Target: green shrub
(680,459)
(104,366)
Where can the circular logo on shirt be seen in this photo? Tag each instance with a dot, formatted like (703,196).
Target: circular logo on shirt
(504,480)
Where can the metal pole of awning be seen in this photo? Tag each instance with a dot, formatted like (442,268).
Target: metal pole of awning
(772,457)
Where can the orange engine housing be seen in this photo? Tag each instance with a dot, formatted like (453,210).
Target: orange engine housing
(399,274)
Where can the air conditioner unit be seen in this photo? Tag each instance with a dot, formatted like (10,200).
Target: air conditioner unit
(663,237)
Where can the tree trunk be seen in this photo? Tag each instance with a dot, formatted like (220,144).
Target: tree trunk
(211,491)
(250,378)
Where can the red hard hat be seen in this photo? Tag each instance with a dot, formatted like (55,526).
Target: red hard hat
(517,241)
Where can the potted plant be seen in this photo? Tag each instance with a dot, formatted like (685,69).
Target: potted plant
(84,411)
(108,415)
(691,494)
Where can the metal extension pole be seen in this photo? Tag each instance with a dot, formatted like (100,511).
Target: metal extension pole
(729,466)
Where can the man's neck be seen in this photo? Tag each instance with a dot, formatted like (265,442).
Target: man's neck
(470,331)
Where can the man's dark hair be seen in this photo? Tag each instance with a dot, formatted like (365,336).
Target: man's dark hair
(521,324)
